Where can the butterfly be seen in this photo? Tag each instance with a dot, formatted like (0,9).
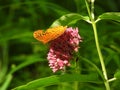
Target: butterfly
(50,34)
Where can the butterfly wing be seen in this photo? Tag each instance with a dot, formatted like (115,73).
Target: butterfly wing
(55,32)
(50,34)
(39,35)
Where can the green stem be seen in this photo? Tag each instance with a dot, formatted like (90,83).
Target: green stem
(91,15)
(6,82)
(77,70)
(88,9)
(112,79)
(4,62)
(100,56)
(76,85)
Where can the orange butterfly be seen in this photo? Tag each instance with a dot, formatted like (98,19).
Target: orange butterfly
(49,34)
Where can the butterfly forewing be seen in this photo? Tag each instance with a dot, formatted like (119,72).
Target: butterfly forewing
(49,34)
(38,35)
(56,32)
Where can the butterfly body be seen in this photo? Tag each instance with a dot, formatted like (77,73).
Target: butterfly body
(49,34)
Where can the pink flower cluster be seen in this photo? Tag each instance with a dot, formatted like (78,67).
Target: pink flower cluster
(62,48)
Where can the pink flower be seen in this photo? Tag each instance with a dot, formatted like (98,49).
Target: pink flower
(62,48)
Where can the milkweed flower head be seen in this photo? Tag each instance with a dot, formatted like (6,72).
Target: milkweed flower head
(62,48)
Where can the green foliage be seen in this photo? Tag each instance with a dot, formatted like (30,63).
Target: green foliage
(52,80)
(23,63)
(69,19)
(117,74)
(111,15)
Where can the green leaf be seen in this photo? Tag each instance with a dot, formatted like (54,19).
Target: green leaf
(56,79)
(6,82)
(69,19)
(110,15)
(31,60)
(117,74)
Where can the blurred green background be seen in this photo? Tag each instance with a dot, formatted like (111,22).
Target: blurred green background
(24,58)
